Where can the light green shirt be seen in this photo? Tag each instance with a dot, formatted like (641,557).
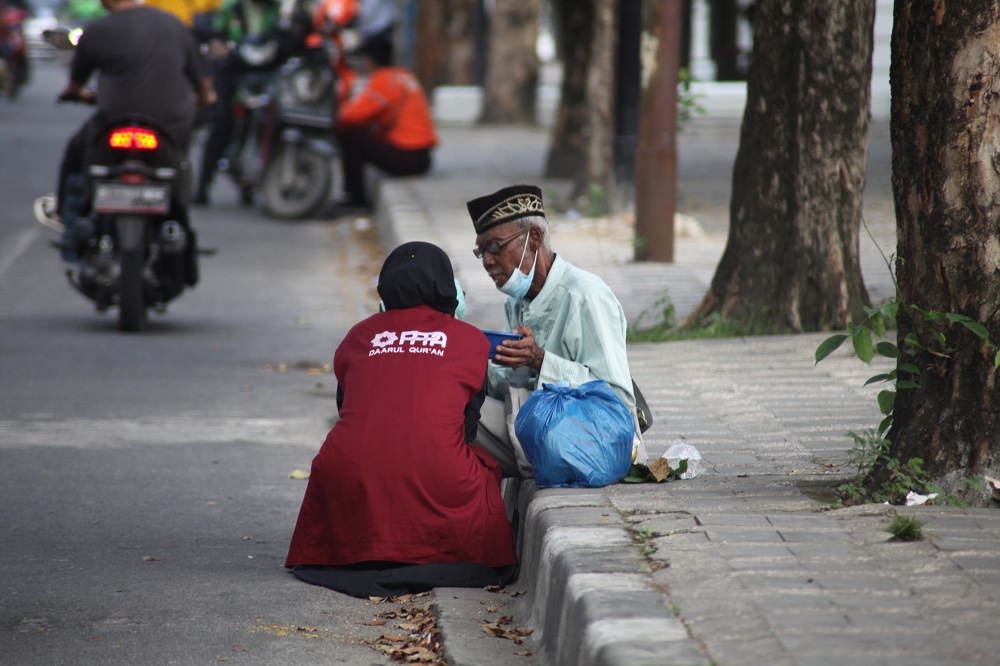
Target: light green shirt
(580,324)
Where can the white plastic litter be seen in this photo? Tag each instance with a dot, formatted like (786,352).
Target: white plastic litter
(916,499)
(683,451)
(994,486)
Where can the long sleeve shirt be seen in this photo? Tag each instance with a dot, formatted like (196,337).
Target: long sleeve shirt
(395,107)
(580,324)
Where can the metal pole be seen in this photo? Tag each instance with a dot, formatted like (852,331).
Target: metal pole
(656,160)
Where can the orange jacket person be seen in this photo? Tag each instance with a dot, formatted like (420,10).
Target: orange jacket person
(388,124)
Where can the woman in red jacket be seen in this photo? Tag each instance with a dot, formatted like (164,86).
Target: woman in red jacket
(398,501)
(388,124)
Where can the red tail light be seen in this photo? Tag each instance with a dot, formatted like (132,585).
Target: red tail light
(133,137)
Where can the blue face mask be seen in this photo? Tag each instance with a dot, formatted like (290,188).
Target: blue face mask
(518,284)
(460,310)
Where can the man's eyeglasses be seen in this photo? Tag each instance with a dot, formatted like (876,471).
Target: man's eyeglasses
(494,246)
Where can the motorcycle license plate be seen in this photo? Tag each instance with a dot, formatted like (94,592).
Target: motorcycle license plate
(114,197)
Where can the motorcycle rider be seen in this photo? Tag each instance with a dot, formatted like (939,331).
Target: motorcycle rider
(148,64)
(13,48)
(82,12)
(235,21)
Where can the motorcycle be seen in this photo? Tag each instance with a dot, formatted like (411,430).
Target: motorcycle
(257,61)
(13,50)
(129,225)
(299,151)
(125,221)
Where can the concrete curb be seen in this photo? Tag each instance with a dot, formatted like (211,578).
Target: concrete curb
(590,594)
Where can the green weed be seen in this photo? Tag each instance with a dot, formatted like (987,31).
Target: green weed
(905,528)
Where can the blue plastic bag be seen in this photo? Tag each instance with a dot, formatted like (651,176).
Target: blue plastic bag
(576,437)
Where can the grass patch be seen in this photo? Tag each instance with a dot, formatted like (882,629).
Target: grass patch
(658,323)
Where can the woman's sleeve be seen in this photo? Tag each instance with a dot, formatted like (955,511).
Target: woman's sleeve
(472,411)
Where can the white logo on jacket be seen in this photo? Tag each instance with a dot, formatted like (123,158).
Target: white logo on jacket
(414,342)
(384,339)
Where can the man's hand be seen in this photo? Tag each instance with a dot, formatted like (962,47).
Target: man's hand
(217,49)
(520,353)
(74,92)
(207,96)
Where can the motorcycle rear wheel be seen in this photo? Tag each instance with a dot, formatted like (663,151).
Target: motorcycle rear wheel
(131,305)
(310,185)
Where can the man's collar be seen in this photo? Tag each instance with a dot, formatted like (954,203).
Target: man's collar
(554,276)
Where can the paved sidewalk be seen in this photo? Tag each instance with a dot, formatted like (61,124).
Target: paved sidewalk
(744,564)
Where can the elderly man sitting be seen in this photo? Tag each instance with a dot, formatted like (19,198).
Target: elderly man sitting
(572,323)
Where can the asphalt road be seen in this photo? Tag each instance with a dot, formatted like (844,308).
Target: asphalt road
(145,498)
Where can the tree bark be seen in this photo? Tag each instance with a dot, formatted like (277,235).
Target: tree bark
(791,261)
(945,133)
(582,139)
(600,96)
(445,52)
(574,22)
(512,66)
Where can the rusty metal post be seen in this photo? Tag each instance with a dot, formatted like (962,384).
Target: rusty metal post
(656,157)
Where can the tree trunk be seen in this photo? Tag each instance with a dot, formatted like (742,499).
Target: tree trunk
(512,66)
(583,136)
(600,96)
(445,52)
(574,23)
(945,154)
(791,261)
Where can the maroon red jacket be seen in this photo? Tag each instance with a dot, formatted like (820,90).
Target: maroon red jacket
(395,479)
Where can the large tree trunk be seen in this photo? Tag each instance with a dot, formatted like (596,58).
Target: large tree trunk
(582,138)
(600,96)
(512,66)
(945,137)
(445,52)
(792,256)
(574,24)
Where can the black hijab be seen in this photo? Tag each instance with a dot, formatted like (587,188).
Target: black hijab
(418,274)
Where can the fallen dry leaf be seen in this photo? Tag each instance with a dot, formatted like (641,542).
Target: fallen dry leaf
(298,475)
(392,638)
(500,630)
(377,622)
(422,643)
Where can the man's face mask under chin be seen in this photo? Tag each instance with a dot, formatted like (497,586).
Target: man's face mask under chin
(518,284)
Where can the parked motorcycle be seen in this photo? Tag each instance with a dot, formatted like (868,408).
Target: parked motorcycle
(299,151)
(13,50)
(257,61)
